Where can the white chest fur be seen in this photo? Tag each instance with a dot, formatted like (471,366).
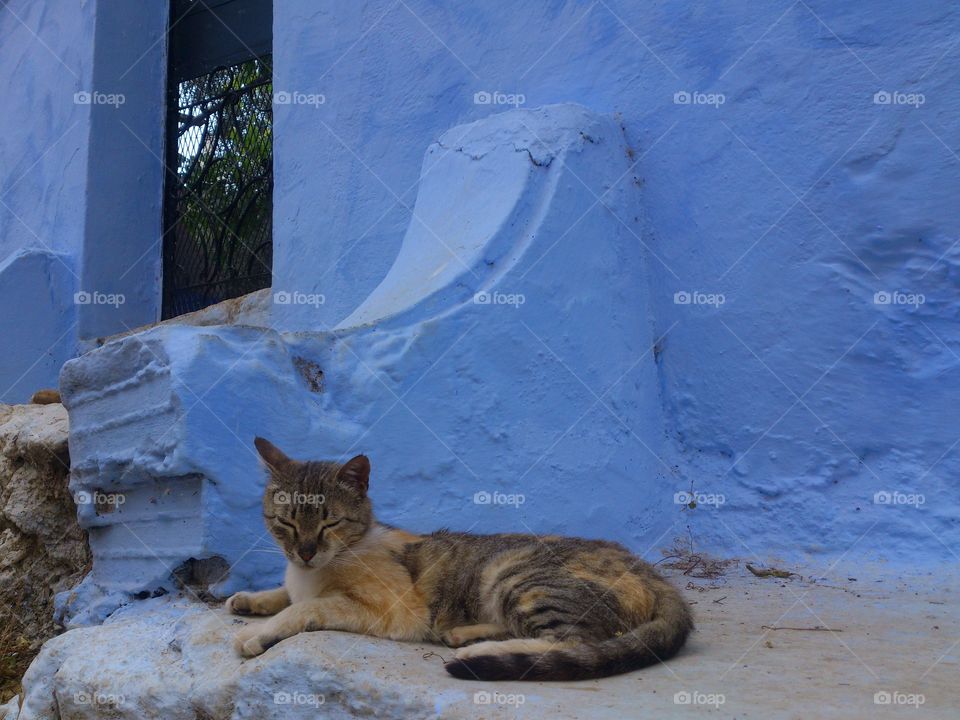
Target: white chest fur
(307,583)
(303,583)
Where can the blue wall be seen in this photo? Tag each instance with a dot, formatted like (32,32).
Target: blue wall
(46,55)
(81,148)
(796,159)
(797,198)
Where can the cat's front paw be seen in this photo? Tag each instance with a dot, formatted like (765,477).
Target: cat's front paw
(240,603)
(252,641)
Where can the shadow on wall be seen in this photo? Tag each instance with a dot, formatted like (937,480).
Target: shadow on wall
(37,321)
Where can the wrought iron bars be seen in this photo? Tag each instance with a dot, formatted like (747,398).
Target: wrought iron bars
(219,240)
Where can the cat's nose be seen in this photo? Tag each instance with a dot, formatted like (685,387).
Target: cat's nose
(306,552)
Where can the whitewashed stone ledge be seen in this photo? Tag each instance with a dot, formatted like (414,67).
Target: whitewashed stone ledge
(172,659)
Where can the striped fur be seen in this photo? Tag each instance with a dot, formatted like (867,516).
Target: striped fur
(517,607)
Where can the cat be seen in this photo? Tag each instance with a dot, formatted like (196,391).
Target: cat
(516,607)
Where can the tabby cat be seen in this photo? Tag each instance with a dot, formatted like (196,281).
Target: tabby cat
(518,607)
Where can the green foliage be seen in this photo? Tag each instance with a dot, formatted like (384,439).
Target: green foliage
(225,168)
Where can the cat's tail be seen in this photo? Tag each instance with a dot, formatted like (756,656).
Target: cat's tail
(544,659)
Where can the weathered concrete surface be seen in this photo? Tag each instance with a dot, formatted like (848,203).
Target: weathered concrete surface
(42,548)
(145,439)
(173,659)
(9,710)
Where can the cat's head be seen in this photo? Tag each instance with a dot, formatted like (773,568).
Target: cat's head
(315,510)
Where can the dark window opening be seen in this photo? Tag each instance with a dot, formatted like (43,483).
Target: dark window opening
(218,205)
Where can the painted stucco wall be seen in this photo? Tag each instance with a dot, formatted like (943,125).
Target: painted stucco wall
(774,175)
(123,226)
(795,161)
(81,147)
(46,56)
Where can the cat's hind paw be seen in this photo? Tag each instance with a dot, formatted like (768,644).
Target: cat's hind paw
(467,634)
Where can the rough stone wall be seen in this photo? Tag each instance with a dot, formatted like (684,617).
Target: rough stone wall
(42,548)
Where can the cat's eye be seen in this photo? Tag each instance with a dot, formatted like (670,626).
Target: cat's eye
(284,523)
(328,526)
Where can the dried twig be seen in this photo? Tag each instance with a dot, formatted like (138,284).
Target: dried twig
(816,628)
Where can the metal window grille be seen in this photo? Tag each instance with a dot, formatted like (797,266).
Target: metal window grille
(218,239)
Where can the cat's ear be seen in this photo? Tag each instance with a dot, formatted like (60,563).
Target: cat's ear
(272,455)
(356,473)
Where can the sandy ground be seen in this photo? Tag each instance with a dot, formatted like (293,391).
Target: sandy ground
(851,643)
